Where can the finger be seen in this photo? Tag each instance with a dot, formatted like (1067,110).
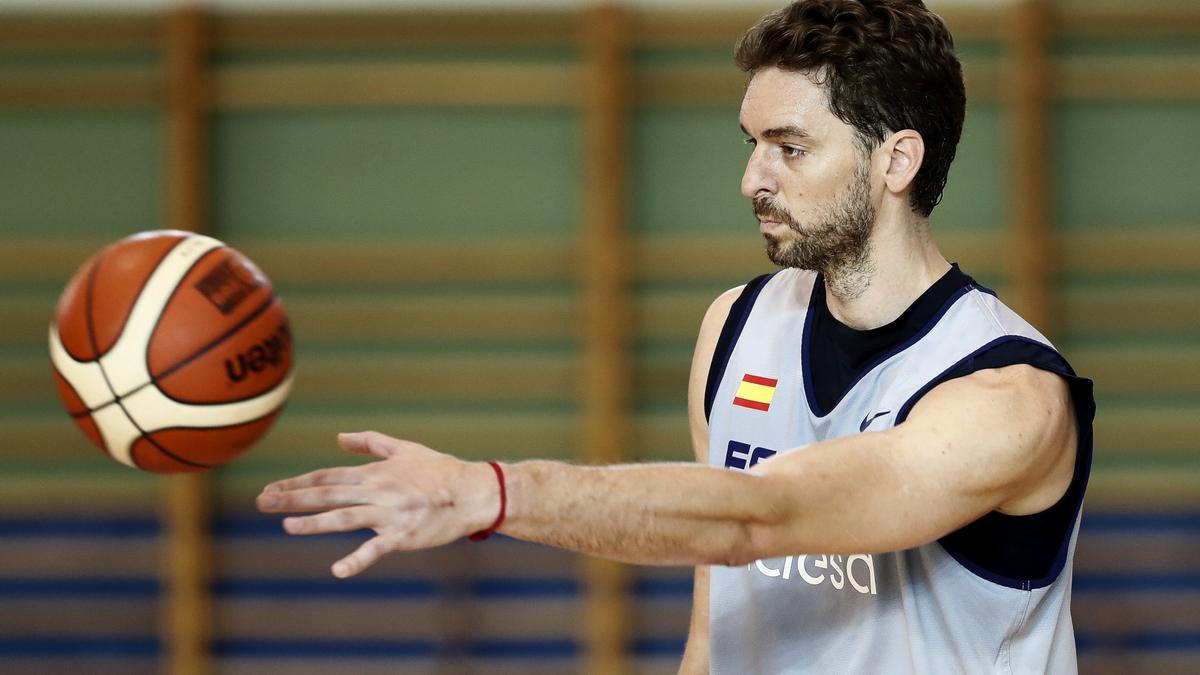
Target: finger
(342,475)
(366,555)
(368,443)
(320,498)
(345,519)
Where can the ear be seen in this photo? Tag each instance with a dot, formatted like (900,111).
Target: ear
(905,151)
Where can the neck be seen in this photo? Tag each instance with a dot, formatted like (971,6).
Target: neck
(901,263)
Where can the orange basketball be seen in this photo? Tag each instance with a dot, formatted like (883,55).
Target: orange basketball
(171,351)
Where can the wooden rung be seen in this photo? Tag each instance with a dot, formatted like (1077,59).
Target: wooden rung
(92,88)
(394,29)
(1126,22)
(1130,250)
(1127,79)
(511,318)
(1108,309)
(1145,488)
(54,492)
(102,556)
(1136,370)
(429,380)
(488,84)
(416,262)
(113,32)
(1163,429)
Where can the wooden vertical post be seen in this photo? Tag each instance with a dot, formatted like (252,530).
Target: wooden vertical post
(1030,259)
(187,500)
(607,370)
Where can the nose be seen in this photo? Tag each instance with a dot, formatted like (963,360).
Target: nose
(758,178)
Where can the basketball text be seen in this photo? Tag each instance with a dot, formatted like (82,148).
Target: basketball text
(226,285)
(266,354)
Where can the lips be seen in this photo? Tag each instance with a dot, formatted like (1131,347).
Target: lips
(766,226)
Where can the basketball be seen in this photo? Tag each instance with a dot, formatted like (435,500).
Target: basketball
(171,351)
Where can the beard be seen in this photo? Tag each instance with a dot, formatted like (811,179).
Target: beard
(836,242)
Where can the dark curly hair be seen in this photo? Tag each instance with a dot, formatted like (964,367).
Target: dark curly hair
(887,65)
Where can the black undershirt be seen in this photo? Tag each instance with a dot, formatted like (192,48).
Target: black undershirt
(839,355)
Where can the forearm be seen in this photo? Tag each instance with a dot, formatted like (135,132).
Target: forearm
(657,514)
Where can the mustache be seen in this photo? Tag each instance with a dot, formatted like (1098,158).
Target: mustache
(765,209)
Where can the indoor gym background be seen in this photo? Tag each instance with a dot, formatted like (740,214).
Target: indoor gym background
(496,230)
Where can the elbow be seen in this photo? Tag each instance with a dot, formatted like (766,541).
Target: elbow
(740,548)
(763,530)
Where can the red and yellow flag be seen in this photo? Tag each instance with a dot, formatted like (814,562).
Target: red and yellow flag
(755,392)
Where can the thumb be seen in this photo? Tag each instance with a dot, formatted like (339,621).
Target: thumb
(368,443)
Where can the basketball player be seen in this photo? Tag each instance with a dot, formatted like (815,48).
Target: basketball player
(896,460)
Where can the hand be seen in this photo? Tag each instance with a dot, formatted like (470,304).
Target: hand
(413,498)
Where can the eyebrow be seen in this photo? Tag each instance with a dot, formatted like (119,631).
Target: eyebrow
(789,131)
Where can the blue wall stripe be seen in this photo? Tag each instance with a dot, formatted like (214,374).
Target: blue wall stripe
(545,648)
(74,588)
(659,587)
(550,587)
(1139,642)
(488,588)
(75,647)
(312,588)
(660,647)
(346,649)
(117,528)
(1134,523)
(1136,582)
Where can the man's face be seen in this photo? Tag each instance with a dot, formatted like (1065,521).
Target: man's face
(808,178)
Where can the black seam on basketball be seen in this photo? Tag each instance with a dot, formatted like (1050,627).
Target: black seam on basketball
(260,418)
(59,376)
(168,453)
(87,315)
(171,296)
(177,458)
(91,272)
(155,379)
(230,332)
(142,286)
(108,383)
(91,411)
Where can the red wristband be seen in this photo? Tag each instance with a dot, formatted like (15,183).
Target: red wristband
(484,534)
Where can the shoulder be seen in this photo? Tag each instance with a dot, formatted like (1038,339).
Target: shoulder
(1019,423)
(718,310)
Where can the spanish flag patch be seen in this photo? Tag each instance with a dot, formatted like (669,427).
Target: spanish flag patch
(755,392)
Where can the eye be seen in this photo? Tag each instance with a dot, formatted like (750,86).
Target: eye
(749,141)
(792,152)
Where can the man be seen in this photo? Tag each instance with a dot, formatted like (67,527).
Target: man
(897,460)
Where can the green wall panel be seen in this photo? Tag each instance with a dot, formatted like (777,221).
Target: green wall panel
(1120,164)
(975,192)
(687,170)
(419,172)
(68,172)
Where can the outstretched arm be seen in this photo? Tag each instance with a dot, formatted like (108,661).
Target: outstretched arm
(995,440)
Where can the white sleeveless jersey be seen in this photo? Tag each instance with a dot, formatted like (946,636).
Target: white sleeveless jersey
(914,611)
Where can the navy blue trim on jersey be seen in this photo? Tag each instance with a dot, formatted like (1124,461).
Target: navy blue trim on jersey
(730,332)
(1029,551)
(810,392)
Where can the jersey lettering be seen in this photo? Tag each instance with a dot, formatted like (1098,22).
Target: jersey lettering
(814,570)
(740,456)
